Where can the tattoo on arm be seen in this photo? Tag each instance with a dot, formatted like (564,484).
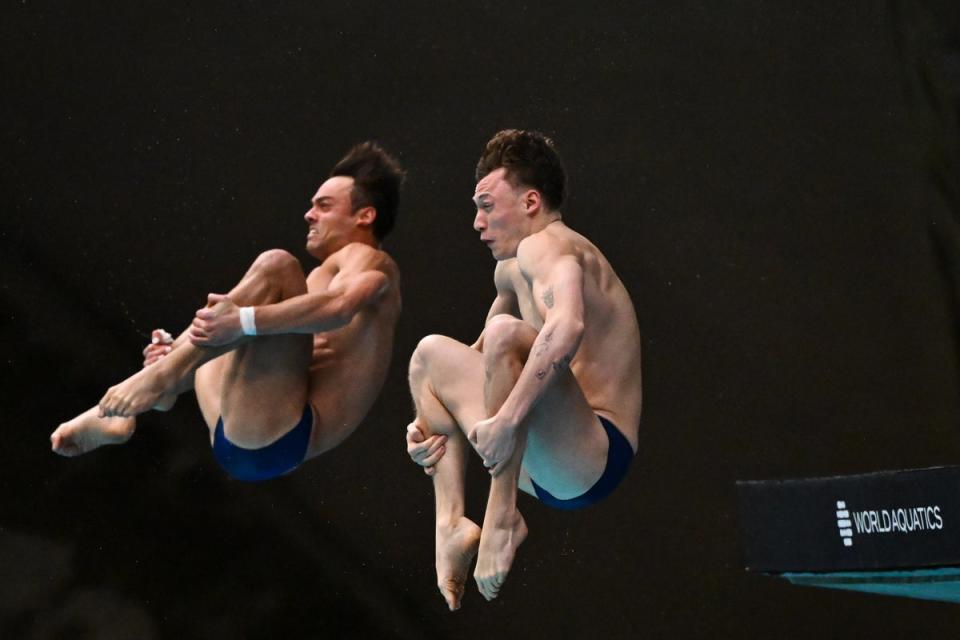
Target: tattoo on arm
(562,363)
(558,366)
(543,345)
(548,297)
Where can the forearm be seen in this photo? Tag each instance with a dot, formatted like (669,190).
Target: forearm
(307,313)
(550,356)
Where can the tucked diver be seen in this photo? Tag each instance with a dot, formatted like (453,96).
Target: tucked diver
(550,394)
(285,366)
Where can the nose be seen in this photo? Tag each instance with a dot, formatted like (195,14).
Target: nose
(309,216)
(479,221)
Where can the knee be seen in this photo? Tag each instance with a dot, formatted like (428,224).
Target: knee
(505,335)
(276,262)
(425,351)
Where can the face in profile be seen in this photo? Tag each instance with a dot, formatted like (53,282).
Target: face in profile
(501,217)
(330,218)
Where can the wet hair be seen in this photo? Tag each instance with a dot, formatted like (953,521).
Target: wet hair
(531,160)
(377,177)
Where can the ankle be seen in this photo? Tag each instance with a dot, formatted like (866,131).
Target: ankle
(503,519)
(448,523)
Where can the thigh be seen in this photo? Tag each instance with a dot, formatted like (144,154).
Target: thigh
(264,388)
(456,376)
(566,451)
(566,448)
(207,385)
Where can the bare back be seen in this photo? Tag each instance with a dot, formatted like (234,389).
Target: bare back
(607,364)
(349,365)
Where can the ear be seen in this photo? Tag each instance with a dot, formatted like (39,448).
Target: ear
(365,216)
(532,201)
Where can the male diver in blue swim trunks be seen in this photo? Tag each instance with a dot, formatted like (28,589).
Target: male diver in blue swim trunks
(550,394)
(285,366)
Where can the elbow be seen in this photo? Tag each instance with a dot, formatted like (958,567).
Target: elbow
(577,327)
(574,337)
(575,330)
(331,316)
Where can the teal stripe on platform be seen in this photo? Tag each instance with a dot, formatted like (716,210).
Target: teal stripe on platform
(942,584)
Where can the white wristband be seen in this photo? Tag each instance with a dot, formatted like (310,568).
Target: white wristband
(247,321)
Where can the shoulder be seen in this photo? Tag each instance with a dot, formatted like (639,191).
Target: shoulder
(540,251)
(358,257)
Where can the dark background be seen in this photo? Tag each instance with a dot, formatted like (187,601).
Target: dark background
(776,183)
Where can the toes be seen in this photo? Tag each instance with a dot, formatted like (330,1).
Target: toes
(482,587)
(489,586)
(495,583)
(452,593)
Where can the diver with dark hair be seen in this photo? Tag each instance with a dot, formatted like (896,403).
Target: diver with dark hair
(285,365)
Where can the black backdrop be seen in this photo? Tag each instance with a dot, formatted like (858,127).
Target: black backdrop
(776,183)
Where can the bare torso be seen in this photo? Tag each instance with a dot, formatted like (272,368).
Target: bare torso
(607,364)
(349,365)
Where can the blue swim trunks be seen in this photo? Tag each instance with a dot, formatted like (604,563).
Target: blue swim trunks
(275,459)
(619,455)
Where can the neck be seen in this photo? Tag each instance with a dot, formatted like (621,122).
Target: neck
(367,239)
(542,222)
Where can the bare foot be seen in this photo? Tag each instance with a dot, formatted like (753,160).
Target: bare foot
(456,547)
(88,431)
(498,545)
(139,393)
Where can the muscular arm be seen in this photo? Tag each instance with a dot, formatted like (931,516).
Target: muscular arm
(314,312)
(559,280)
(317,312)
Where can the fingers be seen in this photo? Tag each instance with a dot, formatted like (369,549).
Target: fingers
(414,434)
(214,298)
(154,352)
(434,457)
(159,336)
(433,444)
(428,452)
(198,331)
(159,346)
(425,451)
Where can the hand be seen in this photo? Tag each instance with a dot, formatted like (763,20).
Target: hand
(216,324)
(495,440)
(159,346)
(425,451)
